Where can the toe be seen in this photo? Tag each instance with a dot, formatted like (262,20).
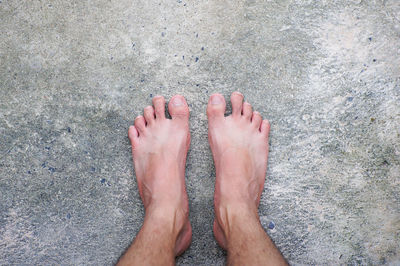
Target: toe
(178,107)
(247,110)
(237,102)
(265,127)
(133,134)
(149,114)
(216,106)
(140,124)
(159,106)
(256,119)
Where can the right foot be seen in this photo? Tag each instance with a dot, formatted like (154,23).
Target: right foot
(239,144)
(159,148)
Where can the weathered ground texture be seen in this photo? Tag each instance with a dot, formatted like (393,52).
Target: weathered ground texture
(74,74)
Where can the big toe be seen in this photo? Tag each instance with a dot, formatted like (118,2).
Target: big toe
(178,107)
(216,106)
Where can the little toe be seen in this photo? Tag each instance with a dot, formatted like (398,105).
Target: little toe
(216,106)
(149,114)
(178,107)
(140,124)
(159,106)
(265,127)
(133,134)
(237,102)
(247,110)
(256,120)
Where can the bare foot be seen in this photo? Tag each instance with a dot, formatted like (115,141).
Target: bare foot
(239,145)
(159,147)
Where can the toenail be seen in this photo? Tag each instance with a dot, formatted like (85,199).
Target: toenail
(216,99)
(177,101)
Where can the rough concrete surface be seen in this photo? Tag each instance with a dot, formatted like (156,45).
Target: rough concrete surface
(74,74)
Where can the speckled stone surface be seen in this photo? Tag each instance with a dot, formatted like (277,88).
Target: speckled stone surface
(74,74)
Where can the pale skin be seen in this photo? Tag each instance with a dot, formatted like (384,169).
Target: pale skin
(239,145)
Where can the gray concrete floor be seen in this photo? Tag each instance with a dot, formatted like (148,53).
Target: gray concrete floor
(74,74)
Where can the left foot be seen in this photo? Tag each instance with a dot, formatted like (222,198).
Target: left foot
(159,148)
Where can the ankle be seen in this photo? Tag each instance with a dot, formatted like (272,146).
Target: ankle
(236,216)
(172,223)
(170,219)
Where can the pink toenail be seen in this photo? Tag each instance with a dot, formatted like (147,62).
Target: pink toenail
(216,99)
(177,101)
